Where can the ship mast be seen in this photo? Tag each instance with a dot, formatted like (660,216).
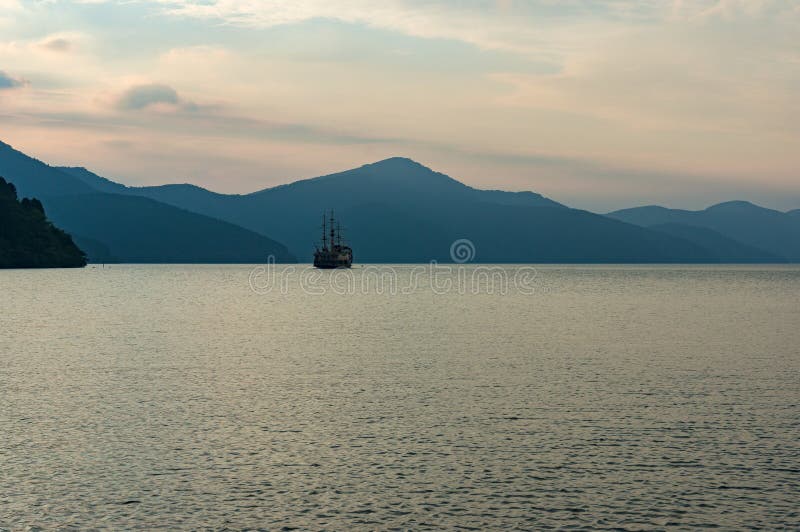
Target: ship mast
(333,231)
(324,234)
(338,234)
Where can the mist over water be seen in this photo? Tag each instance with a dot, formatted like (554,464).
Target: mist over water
(611,396)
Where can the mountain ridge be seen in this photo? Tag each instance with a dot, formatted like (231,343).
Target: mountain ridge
(772,231)
(107,225)
(159,232)
(402,211)
(396,210)
(726,249)
(396,163)
(34,178)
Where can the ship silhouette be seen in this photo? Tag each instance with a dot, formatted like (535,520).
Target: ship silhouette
(332,253)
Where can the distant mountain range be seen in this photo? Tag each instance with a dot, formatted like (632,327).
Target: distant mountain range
(397,210)
(776,233)
(394,210)
(130,228)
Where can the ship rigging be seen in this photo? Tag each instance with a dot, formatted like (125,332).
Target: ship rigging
(332,253)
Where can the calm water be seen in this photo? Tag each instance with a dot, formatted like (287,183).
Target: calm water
(179,397)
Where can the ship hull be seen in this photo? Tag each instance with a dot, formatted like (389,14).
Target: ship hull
(331,266)
(332,262)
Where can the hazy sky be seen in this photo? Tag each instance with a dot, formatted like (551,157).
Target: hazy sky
(597,103)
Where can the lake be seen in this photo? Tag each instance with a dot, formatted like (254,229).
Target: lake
(527,397)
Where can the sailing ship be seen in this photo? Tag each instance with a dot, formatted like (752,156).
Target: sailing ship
(332,253)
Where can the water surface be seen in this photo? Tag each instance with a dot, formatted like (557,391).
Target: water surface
(611,396)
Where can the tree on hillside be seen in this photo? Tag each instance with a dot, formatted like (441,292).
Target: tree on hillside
(28,239)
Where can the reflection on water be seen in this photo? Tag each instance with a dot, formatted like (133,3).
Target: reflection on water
(176,396)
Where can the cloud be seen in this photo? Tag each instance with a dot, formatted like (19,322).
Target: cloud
(712,75)
(668,87)
(9,82)
(533,27)
(143,96)
(10,5)
(205,121)
(524,27)
(65,41)
(57,44)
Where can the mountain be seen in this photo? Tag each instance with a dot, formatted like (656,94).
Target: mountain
(398,210)
(95,182)
(114,227)
(724,248)
(28,239)
(772,231)
(96,251)
(136,229)
(34,178)
(291,213)
(395,210)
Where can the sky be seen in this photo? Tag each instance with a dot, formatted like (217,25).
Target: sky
(600,104)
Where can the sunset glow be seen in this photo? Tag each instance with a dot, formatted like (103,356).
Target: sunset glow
(599,104)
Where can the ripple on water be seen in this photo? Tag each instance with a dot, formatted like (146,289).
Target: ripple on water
(637,398)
